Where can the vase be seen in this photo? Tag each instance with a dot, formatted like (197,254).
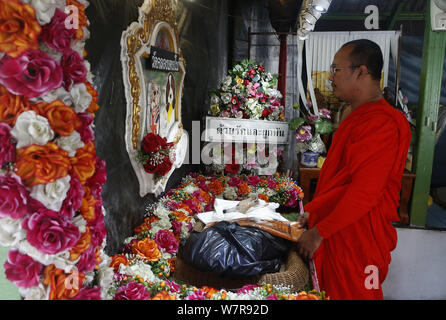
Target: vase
(309,158)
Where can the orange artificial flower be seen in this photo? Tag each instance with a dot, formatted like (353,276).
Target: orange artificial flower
(209,291)
(263,196)
(171,263)
(147,249)
(185,207)
(81,245)
(98,257)
(117,260)
(216,187)
(41,164)
(19,29)
(205,195)
(181,216)
(94,101)
(88,204)
(62,118)
(145,226)
(164,295)
(84,162)
(243,189)
(11,106)
(83,21)
(62,286)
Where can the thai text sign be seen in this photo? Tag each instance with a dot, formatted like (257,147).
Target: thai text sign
(163,60)
(245,130)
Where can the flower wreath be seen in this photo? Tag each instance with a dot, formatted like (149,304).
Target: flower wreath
(51,179)
(156,154)
(146,267)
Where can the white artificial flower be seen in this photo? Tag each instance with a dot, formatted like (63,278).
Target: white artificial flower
(161,212)
(105,280)
(227,81)
(71,143)
(138,269)
(11,232)
(52,194)
(60,260)
(237,68)
(80,97)
(31,128)
(190,188)
(252,104)
(53,53)
(58,94)
(184,234)
(163,224)
(45,9)
(215,99)
(80,223)
(226,97)
(39,292)
(230,193)
(129,239)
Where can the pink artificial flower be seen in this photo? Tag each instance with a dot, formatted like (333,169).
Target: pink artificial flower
(32,74)
(196,194)
(55,35)
(202,185)
(192,205)
(98,230)
(274,103)
(87,260)
(74,70)
(132,291)
(7,147)
(73,200)
(325,113)
(173,286)
(303,134)
(50,232)
(234,181)
(98,179)
(176,227)
(196,295)
(14,197)
(166,241)
(87,293)
(294,197)
(247,287)
(272,297)
(85,130)
(312,119)
(22,270)
(271,184)
(253,180)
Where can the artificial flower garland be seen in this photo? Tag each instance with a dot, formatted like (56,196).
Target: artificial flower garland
(51,179)
(145,268)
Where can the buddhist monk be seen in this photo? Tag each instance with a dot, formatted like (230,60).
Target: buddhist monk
(349,221)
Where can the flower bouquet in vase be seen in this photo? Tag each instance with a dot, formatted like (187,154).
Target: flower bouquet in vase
(309,128)
(247,92)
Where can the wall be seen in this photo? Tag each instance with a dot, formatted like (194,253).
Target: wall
(204,46)
(417,267)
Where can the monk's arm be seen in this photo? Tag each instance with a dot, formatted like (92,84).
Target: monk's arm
(370,159)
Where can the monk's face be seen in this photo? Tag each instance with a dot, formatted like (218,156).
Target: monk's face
(342,75)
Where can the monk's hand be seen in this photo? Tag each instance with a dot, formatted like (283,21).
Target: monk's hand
(302,221)
(308,243)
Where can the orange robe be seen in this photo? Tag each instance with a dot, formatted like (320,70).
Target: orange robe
(356,201)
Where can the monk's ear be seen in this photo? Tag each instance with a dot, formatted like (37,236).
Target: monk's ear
(362,71)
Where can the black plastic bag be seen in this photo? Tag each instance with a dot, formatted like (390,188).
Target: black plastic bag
(230,250)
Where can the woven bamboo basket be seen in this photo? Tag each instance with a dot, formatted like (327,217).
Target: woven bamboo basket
(294,273)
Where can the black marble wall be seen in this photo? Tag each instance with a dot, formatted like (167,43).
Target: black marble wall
(202,26)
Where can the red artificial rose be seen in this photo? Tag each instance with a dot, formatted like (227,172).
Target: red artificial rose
(266,112)
(232,168)
(153,142)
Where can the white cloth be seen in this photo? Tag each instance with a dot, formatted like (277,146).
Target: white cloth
(263,211)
